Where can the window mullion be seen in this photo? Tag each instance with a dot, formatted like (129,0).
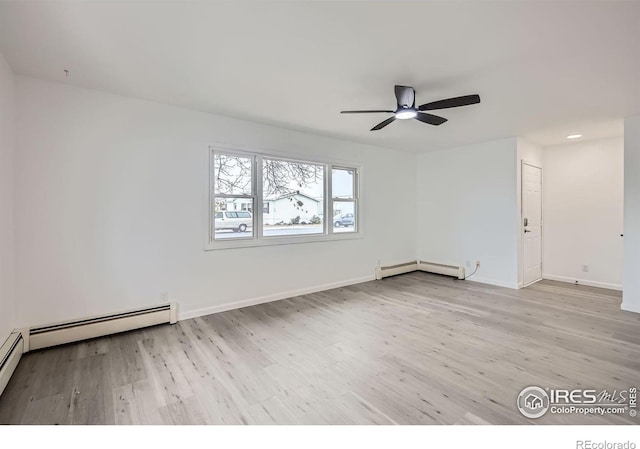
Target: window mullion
(258,216)
(356,183)
(328,214)
(226,195)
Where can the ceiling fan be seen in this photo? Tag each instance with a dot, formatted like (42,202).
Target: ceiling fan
(406,97)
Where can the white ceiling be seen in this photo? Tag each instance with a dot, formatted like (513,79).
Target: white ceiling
(543,69)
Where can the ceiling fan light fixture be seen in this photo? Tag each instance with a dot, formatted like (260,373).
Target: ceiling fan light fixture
(406,108)
(405,114)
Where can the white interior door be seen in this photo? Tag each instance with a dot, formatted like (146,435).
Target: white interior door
(531,223)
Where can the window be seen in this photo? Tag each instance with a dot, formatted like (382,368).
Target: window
(343,190)
(233,186)
(299,200)
(295,191)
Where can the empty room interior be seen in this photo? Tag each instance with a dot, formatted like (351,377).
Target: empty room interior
(319,212)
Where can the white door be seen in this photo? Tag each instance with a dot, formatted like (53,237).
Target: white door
(531,223)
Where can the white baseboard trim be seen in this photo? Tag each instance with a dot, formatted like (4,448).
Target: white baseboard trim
(269,298)
(522,285)
(553,277)
(630,308)
(481,280)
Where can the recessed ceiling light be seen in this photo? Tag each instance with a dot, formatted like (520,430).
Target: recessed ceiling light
(574,136)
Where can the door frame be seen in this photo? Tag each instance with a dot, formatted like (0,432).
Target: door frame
(521,225)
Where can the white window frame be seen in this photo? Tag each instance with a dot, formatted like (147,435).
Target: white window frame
(257,239)
(354,199)
(213,195)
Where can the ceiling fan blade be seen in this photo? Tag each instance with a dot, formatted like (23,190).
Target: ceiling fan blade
(450,103)
(365,112)
(430,119)
(406,96)
(383,124)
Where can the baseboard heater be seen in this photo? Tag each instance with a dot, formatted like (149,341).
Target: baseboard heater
(438,268)
(420,265)
(70,331)
(10,353)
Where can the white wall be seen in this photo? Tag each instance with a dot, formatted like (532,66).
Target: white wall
(583,209)
(7,149)
(532,154)
(631,274)
(110,208)
(467,209)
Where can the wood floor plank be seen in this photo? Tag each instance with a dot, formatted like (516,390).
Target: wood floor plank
(411,349)
(91,395)
(126,365)
(183,412)
(52,410)
(125,406)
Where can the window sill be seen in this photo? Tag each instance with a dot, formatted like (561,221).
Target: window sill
(273,241)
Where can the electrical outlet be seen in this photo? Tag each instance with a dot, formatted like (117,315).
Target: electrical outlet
(477,263)
(164,296)
(585,268)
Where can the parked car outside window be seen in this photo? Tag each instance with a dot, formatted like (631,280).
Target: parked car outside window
(237,221)
(343,220)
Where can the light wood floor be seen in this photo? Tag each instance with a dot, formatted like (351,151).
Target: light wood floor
(413,349)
